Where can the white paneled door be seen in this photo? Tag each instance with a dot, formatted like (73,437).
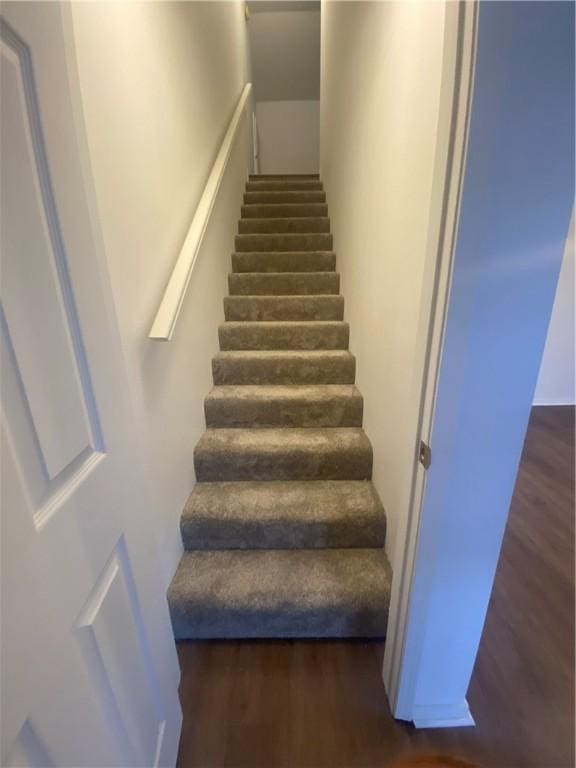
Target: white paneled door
(89,670)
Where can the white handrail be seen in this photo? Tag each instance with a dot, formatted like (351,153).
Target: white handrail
(169,309)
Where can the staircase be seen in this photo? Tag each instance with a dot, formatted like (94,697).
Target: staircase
(284,531)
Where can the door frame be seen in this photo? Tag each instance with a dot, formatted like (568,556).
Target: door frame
(460,39)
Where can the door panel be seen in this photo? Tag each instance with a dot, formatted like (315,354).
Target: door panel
(89,670)
(42,324)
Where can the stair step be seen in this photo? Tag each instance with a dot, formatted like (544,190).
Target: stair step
(288,210)
(283,454)
(283,515)
(312,334)
(280,593)
(275,405)
(300,196)
(284,261)
(283,283)
(284,242)
(284,225)
(262,176)
(284,367)
(280,185)
(283,308)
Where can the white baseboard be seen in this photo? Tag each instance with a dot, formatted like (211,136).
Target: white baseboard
(444,716)
(552,401)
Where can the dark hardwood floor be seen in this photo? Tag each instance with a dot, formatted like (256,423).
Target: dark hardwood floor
(321,704)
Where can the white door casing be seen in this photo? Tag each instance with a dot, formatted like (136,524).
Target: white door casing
(89,670)
(456,97)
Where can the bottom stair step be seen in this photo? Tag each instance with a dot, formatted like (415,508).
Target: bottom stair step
(280,593)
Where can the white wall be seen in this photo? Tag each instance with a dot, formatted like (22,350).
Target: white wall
(556,385)
(288,136)
(159,83)
(380,99)
(285,53)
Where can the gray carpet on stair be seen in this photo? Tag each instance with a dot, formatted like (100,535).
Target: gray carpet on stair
(283,515)
(274,405)
(284,308)
(281,593)
(284,284)
(284,531)
(286,366)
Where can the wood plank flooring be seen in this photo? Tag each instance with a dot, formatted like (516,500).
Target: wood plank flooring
(321,704)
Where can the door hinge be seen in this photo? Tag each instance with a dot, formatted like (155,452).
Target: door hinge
(425,454)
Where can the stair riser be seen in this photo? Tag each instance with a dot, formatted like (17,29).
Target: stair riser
(245,625)
(313,261)
(304,225)
(205,534)
(323,412)
(284,197)
(254,308)
(284,465)
(260,336)
(281,185)
(289,242)
(284,371)
(285,210)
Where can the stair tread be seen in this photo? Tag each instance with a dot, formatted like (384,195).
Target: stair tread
(284,283)
(281,210)
(288,225)
(284,241)
(322,307)
(276,323)
(281,593)
(285,196)
(281,439)
(279,405)
(306,502)
(283,515)
(312,355)
(284,366)
(283,391)
(283,334)
(255,185)
(275,262)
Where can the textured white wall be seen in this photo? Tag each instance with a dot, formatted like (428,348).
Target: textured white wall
(380,100)
(159,83)
(288,136)
(556,385)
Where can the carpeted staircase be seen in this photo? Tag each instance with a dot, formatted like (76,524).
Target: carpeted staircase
(284,531)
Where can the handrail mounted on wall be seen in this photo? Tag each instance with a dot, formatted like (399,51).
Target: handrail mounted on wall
(169,309)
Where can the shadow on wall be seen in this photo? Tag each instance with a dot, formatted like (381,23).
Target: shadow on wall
(285,55)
